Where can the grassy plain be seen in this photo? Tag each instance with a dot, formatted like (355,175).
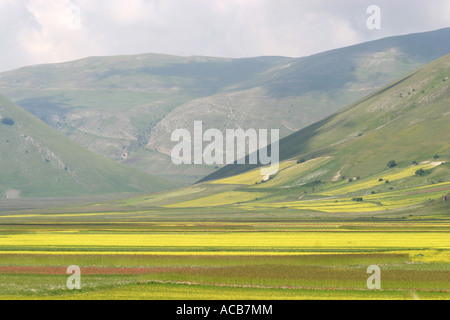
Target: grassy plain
(225,260)
(286,238)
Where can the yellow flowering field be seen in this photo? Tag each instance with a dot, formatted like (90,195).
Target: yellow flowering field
(238,240)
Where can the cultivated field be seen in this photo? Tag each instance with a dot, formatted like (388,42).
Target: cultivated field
(226,260)
(239,238)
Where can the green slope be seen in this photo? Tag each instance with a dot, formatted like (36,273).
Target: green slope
(406,121)
(363,66)
(127,107)
(338,168)
(300,92)
(37,161)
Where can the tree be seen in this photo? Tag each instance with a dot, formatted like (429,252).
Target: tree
(420,172)
(8,121)
(392,164)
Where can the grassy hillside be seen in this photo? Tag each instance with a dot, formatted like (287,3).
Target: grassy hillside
(37,161)
(126,107)
(405,121)
(300,92)
(337,168)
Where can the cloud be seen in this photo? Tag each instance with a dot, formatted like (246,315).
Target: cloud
(42,31)
(59,35)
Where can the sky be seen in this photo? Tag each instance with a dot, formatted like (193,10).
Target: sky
(51,31)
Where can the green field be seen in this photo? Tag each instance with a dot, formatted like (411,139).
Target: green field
(245,260)
(146,250)
(238,238)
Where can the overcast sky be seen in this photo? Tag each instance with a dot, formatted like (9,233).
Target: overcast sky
(48,31)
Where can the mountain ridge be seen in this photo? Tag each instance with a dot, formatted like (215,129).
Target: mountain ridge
(126,107)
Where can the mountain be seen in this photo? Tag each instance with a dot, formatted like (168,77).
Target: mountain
(126,107)
(407,121)
(384,158)
(37,161)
